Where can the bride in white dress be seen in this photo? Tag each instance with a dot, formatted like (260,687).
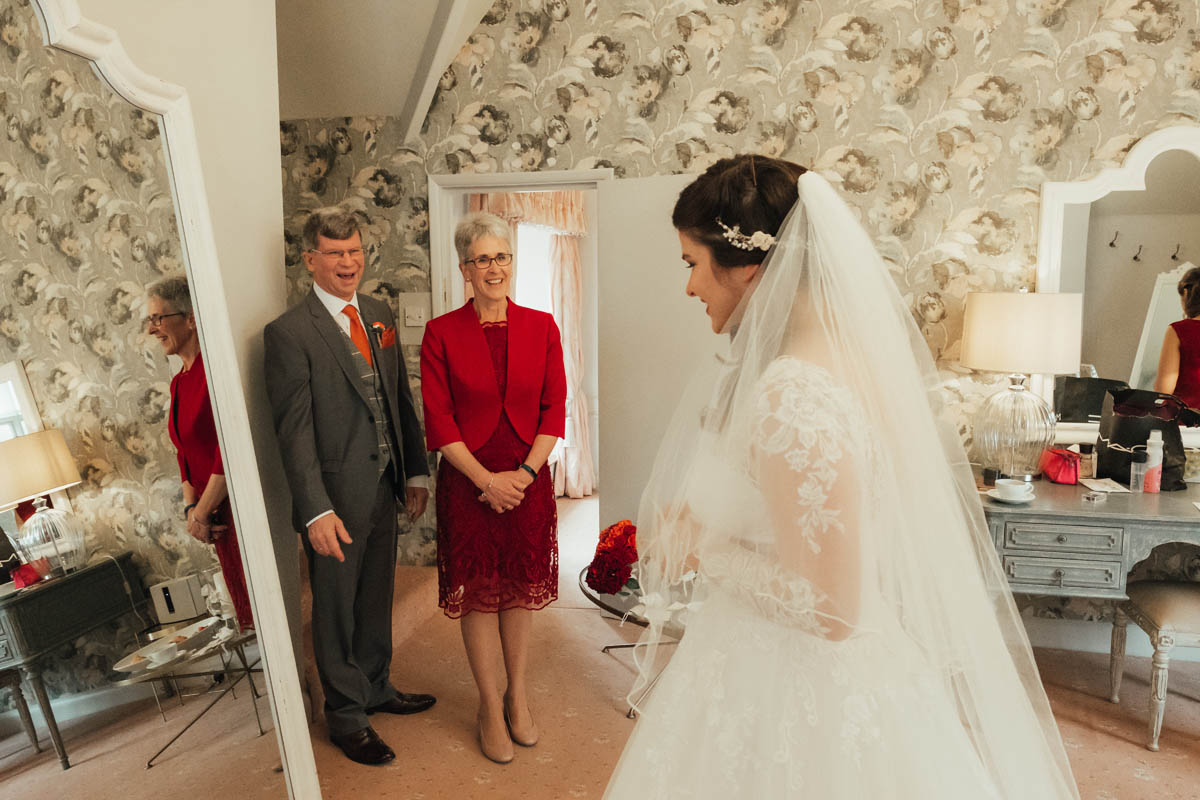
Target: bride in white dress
(815,526)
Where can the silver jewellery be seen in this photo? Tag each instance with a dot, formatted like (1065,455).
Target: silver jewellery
(759,240)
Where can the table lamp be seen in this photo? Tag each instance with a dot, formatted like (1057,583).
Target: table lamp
(33,466)
(1020,333)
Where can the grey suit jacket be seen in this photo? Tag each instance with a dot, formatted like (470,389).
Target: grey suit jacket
(324,424)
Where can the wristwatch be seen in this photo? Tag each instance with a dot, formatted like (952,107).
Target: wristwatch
(532,472)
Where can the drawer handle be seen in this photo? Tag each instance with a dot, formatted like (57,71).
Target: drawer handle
(1059,575)
(1061,538)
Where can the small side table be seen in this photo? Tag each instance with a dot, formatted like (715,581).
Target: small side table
(236,645)
(622,605)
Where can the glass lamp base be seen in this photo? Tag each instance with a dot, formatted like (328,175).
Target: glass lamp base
(1013,428)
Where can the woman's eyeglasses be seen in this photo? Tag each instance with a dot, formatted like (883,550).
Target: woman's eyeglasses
(484,262)
(154,320)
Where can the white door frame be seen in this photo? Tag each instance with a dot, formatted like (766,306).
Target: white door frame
(65,28)
(446,193)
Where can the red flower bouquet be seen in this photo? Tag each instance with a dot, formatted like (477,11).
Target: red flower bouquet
(615,556)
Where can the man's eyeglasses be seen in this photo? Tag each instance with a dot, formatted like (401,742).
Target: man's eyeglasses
(484,262)
(337,255)
(154,320)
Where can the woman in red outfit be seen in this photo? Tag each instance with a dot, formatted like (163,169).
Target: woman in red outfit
(1179,362)
(194,434)
(495,396)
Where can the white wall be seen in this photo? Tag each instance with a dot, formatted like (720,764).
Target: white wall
(222,52)
(652,336)
(347,58)
(1117,288)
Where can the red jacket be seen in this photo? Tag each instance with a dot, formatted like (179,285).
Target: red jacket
(458,384)
(192,428)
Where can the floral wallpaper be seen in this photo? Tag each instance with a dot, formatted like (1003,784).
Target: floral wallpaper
(939,119)
(86,223)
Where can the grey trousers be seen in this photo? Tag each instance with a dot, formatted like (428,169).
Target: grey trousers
(352,616)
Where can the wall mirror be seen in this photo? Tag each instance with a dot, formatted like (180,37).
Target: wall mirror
(1122,239)
(101,196)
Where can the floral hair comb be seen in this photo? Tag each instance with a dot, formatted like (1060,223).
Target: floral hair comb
(759,240)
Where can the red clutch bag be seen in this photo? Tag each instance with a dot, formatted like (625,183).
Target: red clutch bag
(1060,466)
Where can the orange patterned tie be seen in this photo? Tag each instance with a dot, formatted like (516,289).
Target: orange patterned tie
(358,334)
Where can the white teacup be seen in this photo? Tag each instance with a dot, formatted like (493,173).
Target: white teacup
(1009,489)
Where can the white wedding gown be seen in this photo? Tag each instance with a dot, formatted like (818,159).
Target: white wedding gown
(757,703)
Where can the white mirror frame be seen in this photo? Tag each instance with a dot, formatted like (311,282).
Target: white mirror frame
(1057,196)
(65,28)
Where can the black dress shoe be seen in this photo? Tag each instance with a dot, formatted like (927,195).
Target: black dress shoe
(404,703)
(363,746)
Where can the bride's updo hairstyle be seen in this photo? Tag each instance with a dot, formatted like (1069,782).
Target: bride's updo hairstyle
(752,192)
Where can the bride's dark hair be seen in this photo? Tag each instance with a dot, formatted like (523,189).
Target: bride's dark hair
(753,192)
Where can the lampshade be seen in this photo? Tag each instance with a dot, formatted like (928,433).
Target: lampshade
(34,465)
(1022,332)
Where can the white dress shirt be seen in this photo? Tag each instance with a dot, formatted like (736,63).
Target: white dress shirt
(335,305)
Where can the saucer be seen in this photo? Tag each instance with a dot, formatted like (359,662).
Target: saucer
(992,493)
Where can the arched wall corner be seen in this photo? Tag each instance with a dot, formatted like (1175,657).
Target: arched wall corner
(64,27)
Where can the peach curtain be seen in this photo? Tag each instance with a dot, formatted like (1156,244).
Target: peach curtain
(562,211)
(566,214)
(573,473)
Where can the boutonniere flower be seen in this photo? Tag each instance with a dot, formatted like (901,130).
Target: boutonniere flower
(383,334)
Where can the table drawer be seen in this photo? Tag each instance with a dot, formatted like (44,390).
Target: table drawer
(1060,538)
(1063,572)
(7,653)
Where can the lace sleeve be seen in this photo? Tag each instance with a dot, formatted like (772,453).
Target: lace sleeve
(801,455)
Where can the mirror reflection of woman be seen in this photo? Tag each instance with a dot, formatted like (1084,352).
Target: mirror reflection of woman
(1179,362)
(193,431)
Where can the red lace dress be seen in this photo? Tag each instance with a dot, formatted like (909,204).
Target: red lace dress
(488,561)
(1187,386)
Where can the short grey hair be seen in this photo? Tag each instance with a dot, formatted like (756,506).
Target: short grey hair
(332,222)
(477,225)
(175,292)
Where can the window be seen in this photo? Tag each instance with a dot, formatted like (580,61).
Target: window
(533,274)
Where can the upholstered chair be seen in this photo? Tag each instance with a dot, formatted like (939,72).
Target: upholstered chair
(1169,613)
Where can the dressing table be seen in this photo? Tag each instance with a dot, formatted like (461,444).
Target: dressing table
(1054,545)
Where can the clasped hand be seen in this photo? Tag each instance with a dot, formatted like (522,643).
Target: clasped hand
(506,491)
(200,529)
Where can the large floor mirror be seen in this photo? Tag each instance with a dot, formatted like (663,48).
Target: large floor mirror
(1124,238)
(100,200)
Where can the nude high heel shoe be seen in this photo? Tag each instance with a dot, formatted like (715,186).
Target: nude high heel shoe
(528,741)
(502,755)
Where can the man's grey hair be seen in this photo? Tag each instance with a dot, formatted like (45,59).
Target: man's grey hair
(332,222)
(173,291)
(477,225)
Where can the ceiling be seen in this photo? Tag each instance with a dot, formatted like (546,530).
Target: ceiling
(1172,187)
(367,57)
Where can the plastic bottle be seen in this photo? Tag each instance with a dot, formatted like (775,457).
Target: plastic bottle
(1137,471)
(1154,461)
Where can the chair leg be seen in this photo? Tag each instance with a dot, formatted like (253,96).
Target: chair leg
(1116,656)
(1163,642)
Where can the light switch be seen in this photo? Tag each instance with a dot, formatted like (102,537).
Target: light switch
(415,316)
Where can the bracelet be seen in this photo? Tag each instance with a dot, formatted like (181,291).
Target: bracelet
(490,482)
(532,472)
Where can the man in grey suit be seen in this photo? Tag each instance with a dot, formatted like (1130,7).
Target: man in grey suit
(351,443)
